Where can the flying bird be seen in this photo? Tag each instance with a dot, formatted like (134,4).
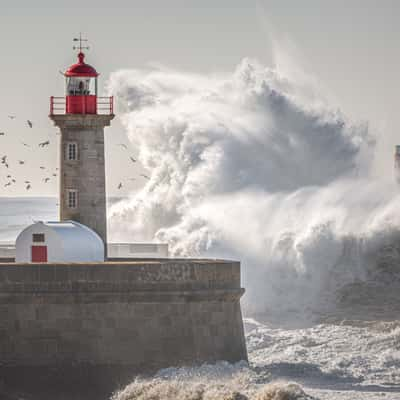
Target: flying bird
(9,176)
(13,180)
(27,145)
(41,167)
(46,143)
(2,133)
(28,187)
(46,180)
(29,123)
(54,174)
(132,159)
(145,176)
(12,116)
(120,185)
(123,145)
(27,182)
(3,159)
(21,162)
(7,184)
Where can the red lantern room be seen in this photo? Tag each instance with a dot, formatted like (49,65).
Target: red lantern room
(81,88)
(81,95)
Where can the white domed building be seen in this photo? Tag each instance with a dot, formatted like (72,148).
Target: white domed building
(65,241)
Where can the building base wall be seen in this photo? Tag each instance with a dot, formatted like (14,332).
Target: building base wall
(116,319)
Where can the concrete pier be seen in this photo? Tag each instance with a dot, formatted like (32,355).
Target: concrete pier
(105,322)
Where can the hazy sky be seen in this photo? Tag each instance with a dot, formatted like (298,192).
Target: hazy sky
(350,47)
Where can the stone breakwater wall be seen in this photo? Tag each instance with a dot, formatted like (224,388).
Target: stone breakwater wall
(133,316)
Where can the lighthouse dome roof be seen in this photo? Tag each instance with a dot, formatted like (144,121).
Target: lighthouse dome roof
(81,68)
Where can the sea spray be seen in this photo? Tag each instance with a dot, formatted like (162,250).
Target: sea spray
(243,166)
(221,381)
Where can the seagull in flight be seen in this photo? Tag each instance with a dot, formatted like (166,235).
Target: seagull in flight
(25,144)
(145,176)
(29,123)
(3,159)
(7,184)
(21,162)
(28,186)
(46,180)
(9,176)
(42,167)
(123,145)
(132,159)
(120,185)
(2,133)
(46,143)
(27,182)
(54,174)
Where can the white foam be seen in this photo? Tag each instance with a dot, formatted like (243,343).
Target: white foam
(246,165)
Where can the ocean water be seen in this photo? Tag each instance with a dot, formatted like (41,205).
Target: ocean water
(18,212)
(351,351)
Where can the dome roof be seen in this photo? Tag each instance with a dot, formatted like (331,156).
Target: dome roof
(81,68)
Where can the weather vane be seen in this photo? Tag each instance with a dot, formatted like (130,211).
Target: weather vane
(80,40)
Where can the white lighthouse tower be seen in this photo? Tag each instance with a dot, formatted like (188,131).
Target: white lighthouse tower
(81,116)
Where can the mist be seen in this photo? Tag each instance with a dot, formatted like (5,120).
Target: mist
(255,166)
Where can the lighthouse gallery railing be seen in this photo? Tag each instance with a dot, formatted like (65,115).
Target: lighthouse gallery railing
(105,105)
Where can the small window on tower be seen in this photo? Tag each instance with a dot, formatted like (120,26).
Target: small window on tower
(72,198)
(72,151)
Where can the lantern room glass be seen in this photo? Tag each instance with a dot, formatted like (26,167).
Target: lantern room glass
(80,86)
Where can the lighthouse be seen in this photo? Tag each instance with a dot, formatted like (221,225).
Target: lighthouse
(81,115)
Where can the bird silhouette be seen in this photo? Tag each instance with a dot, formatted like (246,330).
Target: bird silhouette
(21,162)
(7,184)
(13,180)
(2,133)
(9,176)
(54,174)
(46,180)
(28,186)
(145,176)
(46,143)
(3,159)
(120,185)
(132,159)
(12,116)
(25,144)
(27,182)
(29,123)
(41,167)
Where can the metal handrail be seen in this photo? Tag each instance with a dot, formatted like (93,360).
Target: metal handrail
(104,104)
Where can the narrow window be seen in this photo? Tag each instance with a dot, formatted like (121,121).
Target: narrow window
(38,237)
(72,151)
(72,198)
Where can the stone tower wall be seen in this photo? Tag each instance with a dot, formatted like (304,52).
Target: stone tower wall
(87,173)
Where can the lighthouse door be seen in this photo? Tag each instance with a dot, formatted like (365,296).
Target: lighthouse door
(39,254)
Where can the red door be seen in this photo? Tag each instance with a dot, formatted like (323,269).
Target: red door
(39,253)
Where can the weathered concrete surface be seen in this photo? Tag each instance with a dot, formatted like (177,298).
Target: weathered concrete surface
(115,319)
(87,173)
